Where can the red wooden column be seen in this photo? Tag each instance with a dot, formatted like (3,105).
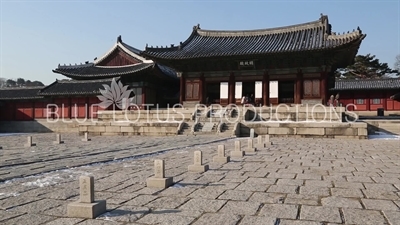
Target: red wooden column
(368,101)
(265,89)
(201,88)
(231,95)
(324,87)
(182,89)
(299,87)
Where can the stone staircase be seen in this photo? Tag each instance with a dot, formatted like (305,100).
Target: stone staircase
(185,129)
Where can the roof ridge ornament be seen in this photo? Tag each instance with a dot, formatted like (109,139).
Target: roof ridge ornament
(119,39)
(197,27)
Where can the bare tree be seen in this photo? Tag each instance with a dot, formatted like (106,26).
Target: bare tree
(397,63)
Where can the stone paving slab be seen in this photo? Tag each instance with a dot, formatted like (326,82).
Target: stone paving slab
(294,182)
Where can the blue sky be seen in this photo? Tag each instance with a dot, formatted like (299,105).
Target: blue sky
(38,35)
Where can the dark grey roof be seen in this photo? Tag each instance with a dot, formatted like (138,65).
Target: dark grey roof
(91,71)
(372,84)
(75,87)
(310,36)
(20,93)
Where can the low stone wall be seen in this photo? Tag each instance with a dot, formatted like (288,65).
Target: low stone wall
(143,116)
(387,126)
(130,129)
(39,126)
(326,130)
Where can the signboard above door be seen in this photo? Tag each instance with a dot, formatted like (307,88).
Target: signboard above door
(246,64)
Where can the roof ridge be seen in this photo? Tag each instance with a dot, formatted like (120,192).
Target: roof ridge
(19,88)
(255,32)
(86,81)
(125,66)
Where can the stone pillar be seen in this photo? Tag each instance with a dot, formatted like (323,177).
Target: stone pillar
(198,166)
(231,89)
(29,142)
(58,139)
(299,87)
(182,89)
(221,158)
(159,180)
(266,89)
(86,207)
(201,89)
(238,150)
(85,137)
(250,146)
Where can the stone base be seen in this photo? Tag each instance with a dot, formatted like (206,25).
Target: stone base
(58,142)
(237,153)
(198,168)
(268,143)
(251,149)
(86,210)
(263,145)
(221,159)
(29,145)
(159,182)
(86,139)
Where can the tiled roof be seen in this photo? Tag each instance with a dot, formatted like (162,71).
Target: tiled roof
(90,71)
(310,36)
(75,87)
(373,84)
(20,93)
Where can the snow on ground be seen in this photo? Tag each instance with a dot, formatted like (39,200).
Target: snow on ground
(384,136)
(11,134)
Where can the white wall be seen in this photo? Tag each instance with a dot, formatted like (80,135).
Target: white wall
(273,89)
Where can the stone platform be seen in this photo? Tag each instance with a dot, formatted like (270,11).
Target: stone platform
(296,181)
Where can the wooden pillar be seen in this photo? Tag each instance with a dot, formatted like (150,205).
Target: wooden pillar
(201,88)
(266,89)
(143,96)
(384,102)
(182,89)
(324,87)
(87,107)
(70,107)
(231,95)
(368,101)
(299,87)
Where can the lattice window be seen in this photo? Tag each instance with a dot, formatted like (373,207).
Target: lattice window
(376,101)
(311,88)
(360,101)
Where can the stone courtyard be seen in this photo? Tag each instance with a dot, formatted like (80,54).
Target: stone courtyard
(299,181)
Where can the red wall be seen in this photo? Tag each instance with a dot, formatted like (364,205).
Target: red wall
(67,108)
(368,97)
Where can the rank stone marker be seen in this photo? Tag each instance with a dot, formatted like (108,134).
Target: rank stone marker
(260,143)
(86,137)
(198,166)
(58,139)
(250,146)
(267,141)
(86,207)
(221,158)
(238,150)
(29,143)
(251,133)
(159,180)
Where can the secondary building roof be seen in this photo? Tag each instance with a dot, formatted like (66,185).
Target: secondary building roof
(74,87)
(312,36)
(122,59)
(372,84)
(20,93)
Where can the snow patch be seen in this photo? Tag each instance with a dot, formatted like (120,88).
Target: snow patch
(14,194)
(384,136)
(44,182)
